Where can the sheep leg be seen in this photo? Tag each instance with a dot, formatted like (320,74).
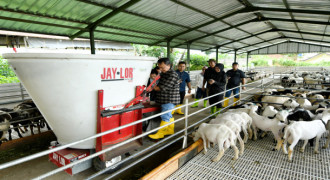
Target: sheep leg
(241,144)
(204,143)
(31,128)
(317,142)
(221,150)
(327,143)
(294,143)
(250,133)
(38,125)
(9,133)
(263,134)
(25,128)
(208,144)
(22,131)
(302,149)
(233,146)
(279,143)
(245,135)
(219,156)
(284,147)
(255,133)
(17,129)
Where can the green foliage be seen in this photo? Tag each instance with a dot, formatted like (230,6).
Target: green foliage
(7,75)
(197,61)
(260,62)
(153,51)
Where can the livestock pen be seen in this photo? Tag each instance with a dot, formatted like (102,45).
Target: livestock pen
(249,27)
(259,160)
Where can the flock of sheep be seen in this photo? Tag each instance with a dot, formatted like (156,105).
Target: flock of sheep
(289,114)
(22,116)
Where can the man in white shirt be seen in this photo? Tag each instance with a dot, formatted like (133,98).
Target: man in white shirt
(199,92)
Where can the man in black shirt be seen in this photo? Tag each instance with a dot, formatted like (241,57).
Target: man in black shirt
(209,72)
(235,77)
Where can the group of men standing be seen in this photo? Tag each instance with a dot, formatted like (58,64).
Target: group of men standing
(170,90)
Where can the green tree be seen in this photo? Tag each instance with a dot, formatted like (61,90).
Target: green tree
(7,75)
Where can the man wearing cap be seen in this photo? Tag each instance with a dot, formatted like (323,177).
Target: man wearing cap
(235,77)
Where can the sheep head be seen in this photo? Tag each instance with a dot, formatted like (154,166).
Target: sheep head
(326,115)
(282,115)
(290,103)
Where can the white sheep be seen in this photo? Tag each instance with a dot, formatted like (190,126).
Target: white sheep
(273,99)
(326,117)
(290,104)
(4,125)
(217,133)
(303,130)
(242,119)
(233,126)
(269,111)
(309,81)
(266,124)
(315,97)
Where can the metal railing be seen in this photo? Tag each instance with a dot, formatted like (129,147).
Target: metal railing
(13,93)
(181,134)
(184,134)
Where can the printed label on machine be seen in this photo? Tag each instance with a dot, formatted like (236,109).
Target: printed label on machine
(117,74)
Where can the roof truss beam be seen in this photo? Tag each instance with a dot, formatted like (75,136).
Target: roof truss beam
(211,16)
(294,21)
(255,44)
(202,25)
(247,4)
(288,41)
(105,17)
(302,32)
(237,40)
(288,10)
(295,24)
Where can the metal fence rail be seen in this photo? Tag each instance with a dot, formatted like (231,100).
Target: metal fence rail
(13,93)
(183,133)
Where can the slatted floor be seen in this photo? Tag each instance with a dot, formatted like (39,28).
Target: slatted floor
(258,162)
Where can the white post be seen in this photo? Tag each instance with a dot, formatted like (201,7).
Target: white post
(184,145)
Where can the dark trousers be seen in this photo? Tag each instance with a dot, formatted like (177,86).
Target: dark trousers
(215,99)
(200,93)
(182,94)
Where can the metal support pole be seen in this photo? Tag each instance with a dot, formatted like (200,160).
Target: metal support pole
(169,48)
(22,92)
(91,40)
(217,54)
(188,57)
(185,138)
(247,60)
(235,55)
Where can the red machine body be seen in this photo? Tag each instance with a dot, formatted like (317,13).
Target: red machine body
(113,121)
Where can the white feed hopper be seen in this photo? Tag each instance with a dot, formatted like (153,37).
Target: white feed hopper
(64,87)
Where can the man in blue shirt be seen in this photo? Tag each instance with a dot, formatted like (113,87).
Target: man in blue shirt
(184,79)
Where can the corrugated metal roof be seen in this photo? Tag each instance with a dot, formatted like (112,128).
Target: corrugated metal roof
(209,23)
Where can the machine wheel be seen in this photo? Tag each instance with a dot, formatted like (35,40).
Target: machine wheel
(100,165)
